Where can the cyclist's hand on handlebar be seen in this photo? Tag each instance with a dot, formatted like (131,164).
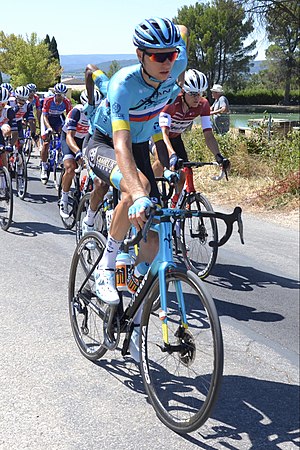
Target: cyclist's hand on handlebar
(49,130)
(173,162)
(171,177)
(78,156)
(137,211)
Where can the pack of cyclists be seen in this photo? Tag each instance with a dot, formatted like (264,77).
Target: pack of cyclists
(156,99)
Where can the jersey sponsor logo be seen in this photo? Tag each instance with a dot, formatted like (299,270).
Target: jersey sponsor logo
(116,108)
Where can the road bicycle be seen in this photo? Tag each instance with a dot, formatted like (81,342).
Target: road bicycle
(6,195)
(55,158)
(81,187)
(193,234)
(103,215)
(29,143)
(180,343)
(17,167)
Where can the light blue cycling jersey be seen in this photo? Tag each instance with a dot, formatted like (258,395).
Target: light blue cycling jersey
(134,105)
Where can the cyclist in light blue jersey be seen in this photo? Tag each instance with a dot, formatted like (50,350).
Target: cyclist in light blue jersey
(118,151)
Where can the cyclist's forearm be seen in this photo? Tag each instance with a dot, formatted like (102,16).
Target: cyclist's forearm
(71,143)
(211,142)
(46,121)
(166,138)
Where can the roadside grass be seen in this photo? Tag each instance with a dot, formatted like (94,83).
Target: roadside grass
(264,176)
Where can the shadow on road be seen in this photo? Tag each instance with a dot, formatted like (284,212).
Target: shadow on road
(245,313)
(264,413)
(241,278)
(267,412)
(33,229)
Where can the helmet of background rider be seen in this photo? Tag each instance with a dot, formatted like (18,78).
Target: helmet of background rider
(22,93)
(60,88)
(8,86)
(195,81)
(4,94)
(97,96)
(32,87)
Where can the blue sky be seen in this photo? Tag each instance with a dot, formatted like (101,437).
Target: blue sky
(91,26)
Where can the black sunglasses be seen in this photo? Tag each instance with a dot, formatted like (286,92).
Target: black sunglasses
(162,57)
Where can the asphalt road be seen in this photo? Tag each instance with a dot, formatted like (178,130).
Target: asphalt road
(53,398)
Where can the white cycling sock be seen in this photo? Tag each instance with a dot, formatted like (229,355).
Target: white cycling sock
(64,196)
(108,260)
(90,217)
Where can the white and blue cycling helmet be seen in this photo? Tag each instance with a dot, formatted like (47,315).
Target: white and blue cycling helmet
(22,92)
(156,33)
(97,97)
(31,87)
(7,86)
(60,88)
(4,94)
(195,81)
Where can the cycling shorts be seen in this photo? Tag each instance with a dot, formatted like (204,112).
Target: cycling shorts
(66,151)
(178,146)
(102,160)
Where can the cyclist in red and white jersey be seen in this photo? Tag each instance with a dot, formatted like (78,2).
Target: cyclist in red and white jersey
(24,112)
(179,116)
(75,129)
(34,99)
(7,120)
(52,119)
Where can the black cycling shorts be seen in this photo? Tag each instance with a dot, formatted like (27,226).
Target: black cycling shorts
(102,160)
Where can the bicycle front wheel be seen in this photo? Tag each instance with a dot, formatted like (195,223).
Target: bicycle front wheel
(182,378)
(85,309)
(6,200)
(21,177)
(196,233)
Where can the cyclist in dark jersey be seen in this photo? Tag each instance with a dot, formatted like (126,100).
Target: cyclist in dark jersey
(118,151)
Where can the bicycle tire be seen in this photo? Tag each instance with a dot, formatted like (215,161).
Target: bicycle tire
(81,213)
(6,204)
(22,187)
(86,311)
(68,223)
(183,384)
(27,148)
(195,235)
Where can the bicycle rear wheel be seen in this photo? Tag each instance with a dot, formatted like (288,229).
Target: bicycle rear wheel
(85,309)
(21,176)
(196,233)
(72,204)
(183,379)
(6,201)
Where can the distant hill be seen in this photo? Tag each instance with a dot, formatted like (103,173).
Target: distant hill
(75,64)
(257,66)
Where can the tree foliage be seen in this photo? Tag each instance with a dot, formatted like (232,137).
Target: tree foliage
(217,35)
(281,21)
(27,61)
(113,68)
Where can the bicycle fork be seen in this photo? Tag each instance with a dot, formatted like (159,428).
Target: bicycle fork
(165,262)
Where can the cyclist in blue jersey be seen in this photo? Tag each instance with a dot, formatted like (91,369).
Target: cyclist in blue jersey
(118,151)
(75,129)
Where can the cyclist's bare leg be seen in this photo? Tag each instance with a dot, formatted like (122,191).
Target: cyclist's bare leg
(97,194)
(44,151)
(120,224)
(70,166)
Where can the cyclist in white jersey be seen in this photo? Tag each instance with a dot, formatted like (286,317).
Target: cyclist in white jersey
(118,151)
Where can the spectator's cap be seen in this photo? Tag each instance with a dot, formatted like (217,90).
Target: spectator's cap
(217,88)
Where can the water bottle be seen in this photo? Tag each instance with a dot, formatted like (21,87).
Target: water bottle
(136,278)
(123,270)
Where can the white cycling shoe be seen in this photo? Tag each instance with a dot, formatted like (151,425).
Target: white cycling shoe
(64,210)
(106,287)
(85,228)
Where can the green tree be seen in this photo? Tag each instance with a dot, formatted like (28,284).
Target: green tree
(27,61)
(113,68)
(53,49)
(217,35)
(283,55)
